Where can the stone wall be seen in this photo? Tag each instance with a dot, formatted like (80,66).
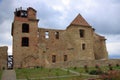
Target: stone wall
(100,50)
(49,46)
(81,63)
(25,56)
(3,57)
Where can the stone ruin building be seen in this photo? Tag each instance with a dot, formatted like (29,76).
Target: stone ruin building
(35,46)
(3,57)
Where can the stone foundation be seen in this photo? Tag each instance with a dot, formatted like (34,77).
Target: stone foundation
(81,63)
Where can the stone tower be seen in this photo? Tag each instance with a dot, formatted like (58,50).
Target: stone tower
(25,39)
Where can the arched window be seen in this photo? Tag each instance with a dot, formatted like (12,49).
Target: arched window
(25,41)
(25,28)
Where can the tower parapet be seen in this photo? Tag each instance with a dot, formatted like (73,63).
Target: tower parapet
(29,14)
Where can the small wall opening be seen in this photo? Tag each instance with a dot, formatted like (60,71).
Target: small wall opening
(25,28)
(65,57)
(46,35)
(53,58)
(83,46)
(25,42)
(57,35)
(82,33)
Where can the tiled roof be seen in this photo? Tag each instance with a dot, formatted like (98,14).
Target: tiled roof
(79,20)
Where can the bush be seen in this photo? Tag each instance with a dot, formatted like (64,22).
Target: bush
(3,68)
(95,72)
(117,65)
(86,68)
(97,66)
(75,68)
(111,75)
(110,67)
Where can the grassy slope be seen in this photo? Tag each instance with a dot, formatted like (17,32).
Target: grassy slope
(38,72)
(0,73)
(44,72)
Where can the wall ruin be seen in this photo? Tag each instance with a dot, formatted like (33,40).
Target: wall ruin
(3,57)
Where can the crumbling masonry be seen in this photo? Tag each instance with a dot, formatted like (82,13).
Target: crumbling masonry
(34,46)
(3,57)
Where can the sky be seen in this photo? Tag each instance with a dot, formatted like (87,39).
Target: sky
(103,15)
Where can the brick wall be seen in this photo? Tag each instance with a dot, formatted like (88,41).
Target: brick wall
(81,63)
(3,57)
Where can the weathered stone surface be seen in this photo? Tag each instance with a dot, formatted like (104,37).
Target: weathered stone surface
(3,57)
(89,63)
(77,42)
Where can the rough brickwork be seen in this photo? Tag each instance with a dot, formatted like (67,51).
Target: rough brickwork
(3,57)
(82,63)
(33,46)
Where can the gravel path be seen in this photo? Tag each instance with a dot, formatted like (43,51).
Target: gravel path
(8,75)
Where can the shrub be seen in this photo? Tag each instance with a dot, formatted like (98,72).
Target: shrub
(75,68)
(111,75)
(97,66)
(86,68)
(117,65)
(110,67)
(95,72)
(3,68)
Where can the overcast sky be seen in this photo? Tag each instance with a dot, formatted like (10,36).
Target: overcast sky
(103,15)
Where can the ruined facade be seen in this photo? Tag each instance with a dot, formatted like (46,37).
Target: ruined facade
(3,57)
(34,46)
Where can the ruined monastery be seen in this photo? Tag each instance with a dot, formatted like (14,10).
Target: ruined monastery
(36,46)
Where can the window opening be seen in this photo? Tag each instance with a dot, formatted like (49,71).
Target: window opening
(46,35)
(57,35)
(25,28)
(53,58)
(65,57)
(82,33)
(83,46)
(25,41)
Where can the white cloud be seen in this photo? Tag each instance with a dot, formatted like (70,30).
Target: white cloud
(113,44)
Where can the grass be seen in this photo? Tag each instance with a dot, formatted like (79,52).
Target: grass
(39,72)
(68,78)
(116,67)
(0,74)
(103,68)
(45,72)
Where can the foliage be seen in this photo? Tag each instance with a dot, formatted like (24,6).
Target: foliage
(111,75)
(86,68)
(95,72)
(75,68)
(39,72)
(0,74)
(117,65)
(97,66)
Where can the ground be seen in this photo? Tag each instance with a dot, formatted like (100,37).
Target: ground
(73,73)
(0,73)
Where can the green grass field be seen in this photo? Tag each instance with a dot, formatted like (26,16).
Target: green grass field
(0,73)
(68,78)
(39,72)
(82,70)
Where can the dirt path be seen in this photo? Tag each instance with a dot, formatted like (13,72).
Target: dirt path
(8,75)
